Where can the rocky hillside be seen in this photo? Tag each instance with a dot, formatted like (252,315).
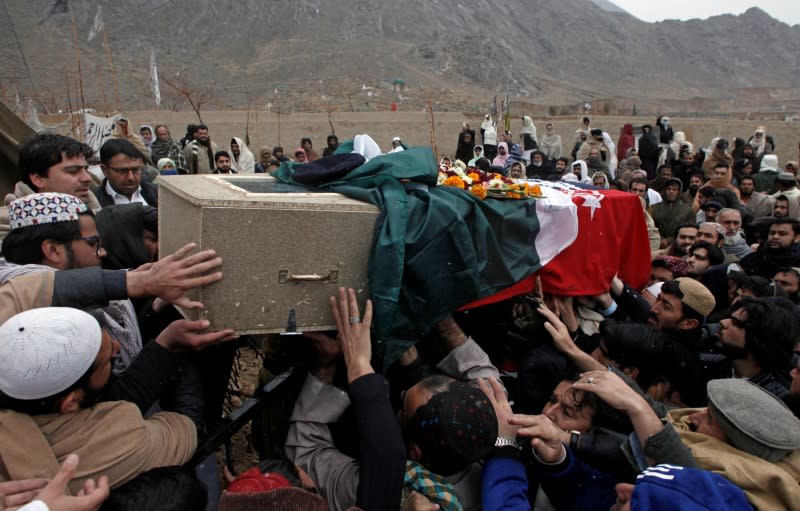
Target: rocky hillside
(306,53)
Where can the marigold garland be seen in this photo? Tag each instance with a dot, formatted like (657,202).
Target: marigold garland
(486,184)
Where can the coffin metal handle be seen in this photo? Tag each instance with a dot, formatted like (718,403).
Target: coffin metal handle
(287,276)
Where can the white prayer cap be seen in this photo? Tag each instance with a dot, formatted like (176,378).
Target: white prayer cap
(396,139)
(44,208)
(44,351)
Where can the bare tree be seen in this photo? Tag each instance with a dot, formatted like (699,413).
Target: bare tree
(196,95)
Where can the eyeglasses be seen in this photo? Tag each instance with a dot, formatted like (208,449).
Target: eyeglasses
(124,172)
(95,242)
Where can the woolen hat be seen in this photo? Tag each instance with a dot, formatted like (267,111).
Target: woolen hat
(754,420)
(671,488)
(44,351)
(787,177)
(696,295)
(44,208)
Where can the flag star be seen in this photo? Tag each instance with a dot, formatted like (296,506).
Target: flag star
(593,201)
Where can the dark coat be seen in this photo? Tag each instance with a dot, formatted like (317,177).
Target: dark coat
(149,193)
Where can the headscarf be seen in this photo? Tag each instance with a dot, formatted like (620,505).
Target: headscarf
(246,162)
(551,144)
(134,139)
(500,161)
(300,150)
(262,159)
(514,155)
(605,179)
(678,140)
(584,170)
(473,162)
(759,145)
(528,128)
(167,172)
(148,143)
(626,141)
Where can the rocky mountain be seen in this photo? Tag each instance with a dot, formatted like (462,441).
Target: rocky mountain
(306,53)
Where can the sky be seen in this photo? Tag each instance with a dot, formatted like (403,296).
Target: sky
(787,11)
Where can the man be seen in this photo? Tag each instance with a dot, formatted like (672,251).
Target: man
(758,337)
(781,250)
(561,167)
(199,153)
(685,235)
(639,187)
(695,182)
(242,159)
(332,144)
(686,168)
(122,167)
(666,269)
(397,145)
(711,232)
(54,360)
(309,443)
(759,204)
(781,207)
(787,187)
(222,161)
(671,212)
(720,182)
(767,174)
(146,132)
(663,174)
(595,140)
(277,153)
(789,280)
(651,196)
(164,147)
(703,255)
(535,170)
(122,131)
(710,210)
(311,154)
(735,243)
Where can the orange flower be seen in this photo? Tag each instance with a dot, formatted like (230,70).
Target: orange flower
(474,176)
(535,190)
(454,181)
(478,191)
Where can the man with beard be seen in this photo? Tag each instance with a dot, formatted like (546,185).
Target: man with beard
(685,236)
(686,168)
(199,153)
(695,182)
(731,220)
(164,147)
(672,337)
(782,249)
(536,169)
(333,144)
(671,212)
(223,163)
(561,168)
(758,337)
(789,280)
(759,204)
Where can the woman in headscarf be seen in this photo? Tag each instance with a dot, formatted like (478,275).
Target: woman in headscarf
(550,144)
(264,157)
(478,152)
(528,134)
(243,161)
(600,180)
(625,142)
(502,155)
(166,167)
(300,155)
(649,150)
(466,143)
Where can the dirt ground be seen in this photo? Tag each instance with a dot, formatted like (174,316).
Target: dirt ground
(269,128)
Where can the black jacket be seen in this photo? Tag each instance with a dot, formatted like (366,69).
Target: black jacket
(149,193)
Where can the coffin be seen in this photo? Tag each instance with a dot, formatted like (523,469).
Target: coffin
(285,249)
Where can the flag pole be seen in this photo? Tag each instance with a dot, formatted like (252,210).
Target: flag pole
(78,60)
(113,72)
(432,129)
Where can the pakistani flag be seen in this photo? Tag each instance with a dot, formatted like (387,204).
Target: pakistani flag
(438,248)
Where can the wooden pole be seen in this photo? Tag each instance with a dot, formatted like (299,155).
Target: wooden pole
(77,59)
(279,127)
(113,72)
(432,129)
(69,103)
(101,82)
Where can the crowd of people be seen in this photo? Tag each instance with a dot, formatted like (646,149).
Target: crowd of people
(684,394)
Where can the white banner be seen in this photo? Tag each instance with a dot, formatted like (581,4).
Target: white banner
(97,26)
(98,129)
(154,78)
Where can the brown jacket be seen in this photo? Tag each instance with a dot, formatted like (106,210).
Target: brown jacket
(111,439)
(767,485)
